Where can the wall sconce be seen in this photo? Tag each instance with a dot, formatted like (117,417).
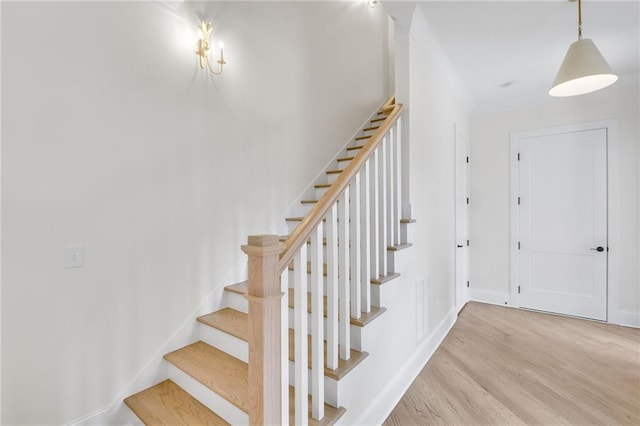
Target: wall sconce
(203,48)
(373,3)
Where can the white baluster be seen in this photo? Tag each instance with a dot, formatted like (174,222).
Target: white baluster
(382,230)
(354,243)
(391,188)
(284,342)
(375,214)
(343,275)
(365,247)
(398,199)
(332,287)
(301,332)
(317,326)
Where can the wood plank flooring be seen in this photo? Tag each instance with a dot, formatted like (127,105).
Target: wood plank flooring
(503,366)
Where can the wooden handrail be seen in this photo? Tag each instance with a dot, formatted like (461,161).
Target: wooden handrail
(303,231)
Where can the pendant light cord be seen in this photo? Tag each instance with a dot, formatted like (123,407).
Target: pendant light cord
(579,19)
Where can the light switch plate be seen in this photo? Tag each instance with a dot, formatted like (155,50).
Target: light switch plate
(74,257)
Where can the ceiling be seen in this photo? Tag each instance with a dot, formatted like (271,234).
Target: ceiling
(506,53)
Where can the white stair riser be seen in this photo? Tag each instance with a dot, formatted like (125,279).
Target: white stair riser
(406,233)
(210,399)
(324,282)
(331,387)
(364,338)
(332,177)
(235,347)
(320,192)
(235,301)
(354,328)
(343,164)
(398,260)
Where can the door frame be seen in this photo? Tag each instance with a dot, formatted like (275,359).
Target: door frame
(613,206)
(461,295)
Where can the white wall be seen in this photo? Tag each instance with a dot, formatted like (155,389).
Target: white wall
(490,185)
(112,138)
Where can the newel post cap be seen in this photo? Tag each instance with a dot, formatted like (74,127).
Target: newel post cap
(263,245)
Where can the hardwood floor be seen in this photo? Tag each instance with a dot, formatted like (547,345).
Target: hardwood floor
(503,366)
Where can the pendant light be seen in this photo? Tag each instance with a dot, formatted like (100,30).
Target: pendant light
(584,69)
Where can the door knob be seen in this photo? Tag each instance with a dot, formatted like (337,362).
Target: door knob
(599,248)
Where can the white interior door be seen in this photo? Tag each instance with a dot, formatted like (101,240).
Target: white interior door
(563,223)
(462,220)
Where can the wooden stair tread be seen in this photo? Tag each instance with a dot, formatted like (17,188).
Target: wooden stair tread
(331,414)
(385,278)
(168,404)
(333,172)
(354,147)
(396,247)
(230,321)
(343,366)
(222,373)
(298,219)
(407,221)
(283,238)
(359,138)
(379,280)
(365,318)
(324,268)
(240,288)
(375,120)
(345,159)
(399,247)
(322,185)
(366,129)
(308,201)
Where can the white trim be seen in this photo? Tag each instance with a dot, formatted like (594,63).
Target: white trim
(424,36)
(175,7)
(625,318)
(380,408)
(492,297)
(90,418)
(459,134)
(613,207)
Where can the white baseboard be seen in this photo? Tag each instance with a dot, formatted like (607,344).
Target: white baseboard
(626,318)
(388,398)
(90,418)
(492,297)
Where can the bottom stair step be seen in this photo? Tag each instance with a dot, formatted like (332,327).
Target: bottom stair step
(168,404)
(229,377)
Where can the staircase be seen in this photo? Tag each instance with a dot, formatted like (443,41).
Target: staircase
(290,335)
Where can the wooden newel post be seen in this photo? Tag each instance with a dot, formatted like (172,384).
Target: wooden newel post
(265,318)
